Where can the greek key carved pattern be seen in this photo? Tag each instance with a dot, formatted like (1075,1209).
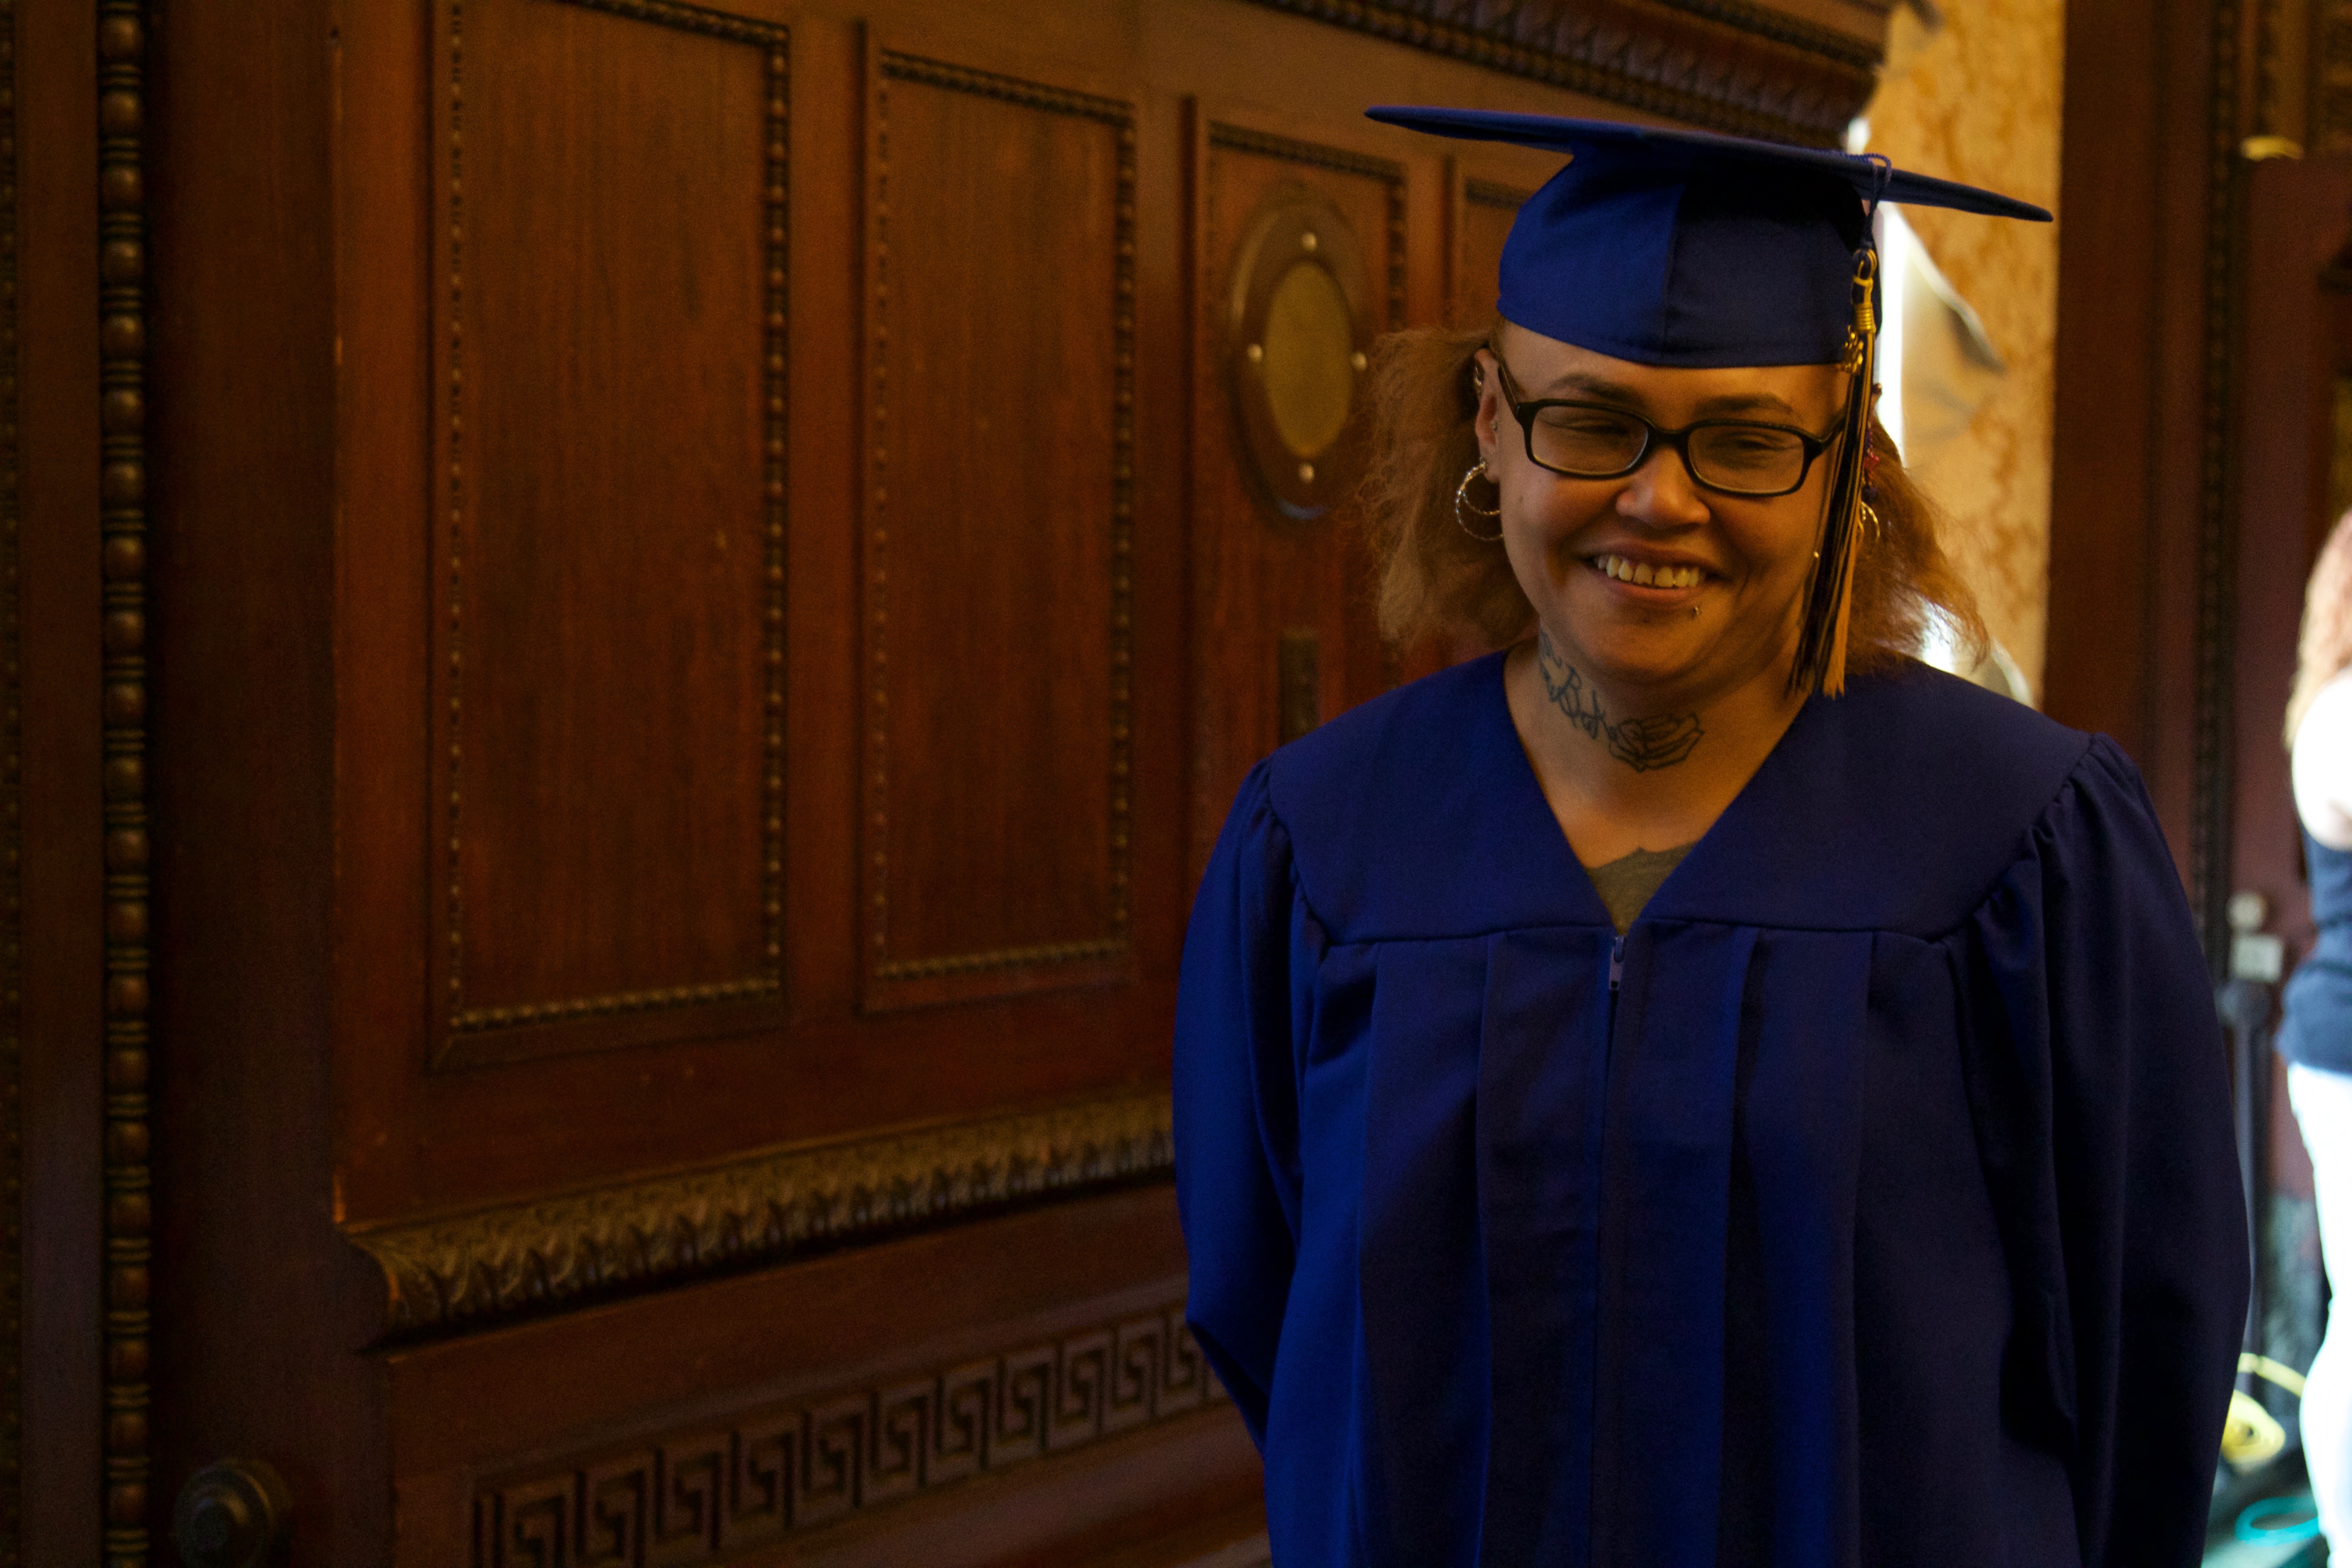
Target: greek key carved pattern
(546,1254)
(716,1493)
(1627,55)
(122,529)
(775,223)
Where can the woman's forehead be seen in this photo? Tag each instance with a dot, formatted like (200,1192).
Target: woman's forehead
(1541,366)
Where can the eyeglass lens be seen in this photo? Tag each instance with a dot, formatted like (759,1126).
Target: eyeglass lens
(1602,443)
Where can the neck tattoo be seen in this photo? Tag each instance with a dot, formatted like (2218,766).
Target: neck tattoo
(1641,744)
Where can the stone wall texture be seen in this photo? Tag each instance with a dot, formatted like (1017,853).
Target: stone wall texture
(1978,100)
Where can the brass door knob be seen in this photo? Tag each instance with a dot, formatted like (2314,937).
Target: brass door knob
(232,1514)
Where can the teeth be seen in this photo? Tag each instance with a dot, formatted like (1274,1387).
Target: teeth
(1642,574)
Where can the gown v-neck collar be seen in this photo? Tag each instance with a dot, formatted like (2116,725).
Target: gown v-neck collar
(1528,785)
(1896,806)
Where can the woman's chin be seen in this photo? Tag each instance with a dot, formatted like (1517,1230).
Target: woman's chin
(1675,658)
(1639,657)
(1659,675)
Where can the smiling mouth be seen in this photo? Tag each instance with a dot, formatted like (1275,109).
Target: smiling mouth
(1643,574)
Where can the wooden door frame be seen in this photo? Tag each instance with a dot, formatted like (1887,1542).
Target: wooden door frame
(56,1394)
(2159,100)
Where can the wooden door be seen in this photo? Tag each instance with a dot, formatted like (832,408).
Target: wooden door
(2294,478)
(667,595)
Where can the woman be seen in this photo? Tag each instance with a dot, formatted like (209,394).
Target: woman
(1633,1103)
(2317,1035)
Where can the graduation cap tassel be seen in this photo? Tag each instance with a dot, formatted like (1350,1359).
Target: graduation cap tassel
(1829,599)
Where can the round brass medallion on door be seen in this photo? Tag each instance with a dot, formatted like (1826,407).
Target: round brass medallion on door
(1299,326)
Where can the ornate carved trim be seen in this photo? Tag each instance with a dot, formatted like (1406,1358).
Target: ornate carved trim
(478,1020)
(1763,22)
(12,754)
(2211,781)
(1487,194)
(764,1208)
(2269,69)
(1120,115)
(2339,464)
(1628,53)
(1312,154)
(1396,237)
(2331,130)
(722,1488)
(1001,958)
(1007,89)
(769,980)
(695,19)
(122,529)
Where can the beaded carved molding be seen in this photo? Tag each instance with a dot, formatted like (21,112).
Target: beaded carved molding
(511,1258)
(122,529)
(12,800)
(722,1489)
(2212,716)
(893,974)
(1488,193)
(767,981)
(1726,65)
(2331,116)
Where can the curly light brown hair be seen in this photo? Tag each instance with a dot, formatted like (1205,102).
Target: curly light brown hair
(1438,583)
(2326,645)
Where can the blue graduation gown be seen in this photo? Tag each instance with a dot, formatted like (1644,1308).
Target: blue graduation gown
(1873,1202)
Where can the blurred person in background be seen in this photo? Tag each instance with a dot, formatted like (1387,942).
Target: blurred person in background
(2315,1035)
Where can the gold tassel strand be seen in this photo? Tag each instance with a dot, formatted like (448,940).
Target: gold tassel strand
(1829,601)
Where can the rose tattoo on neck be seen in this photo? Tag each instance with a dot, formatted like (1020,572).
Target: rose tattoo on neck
(1641,744)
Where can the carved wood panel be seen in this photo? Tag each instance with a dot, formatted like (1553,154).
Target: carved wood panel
(999,533)
(1483,211)
(1479,213)
(684,1082)
(1264,581)
(612,363)
(608,724)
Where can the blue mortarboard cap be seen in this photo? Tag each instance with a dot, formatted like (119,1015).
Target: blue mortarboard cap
(1682,249)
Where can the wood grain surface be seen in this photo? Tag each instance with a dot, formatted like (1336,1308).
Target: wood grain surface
(699,601)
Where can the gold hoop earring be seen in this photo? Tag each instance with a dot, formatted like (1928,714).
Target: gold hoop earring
(1464,505)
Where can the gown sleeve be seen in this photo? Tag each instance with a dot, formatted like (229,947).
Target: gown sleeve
(2102,1100)
(1236,1128)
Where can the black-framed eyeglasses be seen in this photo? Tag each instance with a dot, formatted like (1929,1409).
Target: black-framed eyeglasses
(1601,441)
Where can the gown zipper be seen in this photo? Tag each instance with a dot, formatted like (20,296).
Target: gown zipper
(1616,963)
